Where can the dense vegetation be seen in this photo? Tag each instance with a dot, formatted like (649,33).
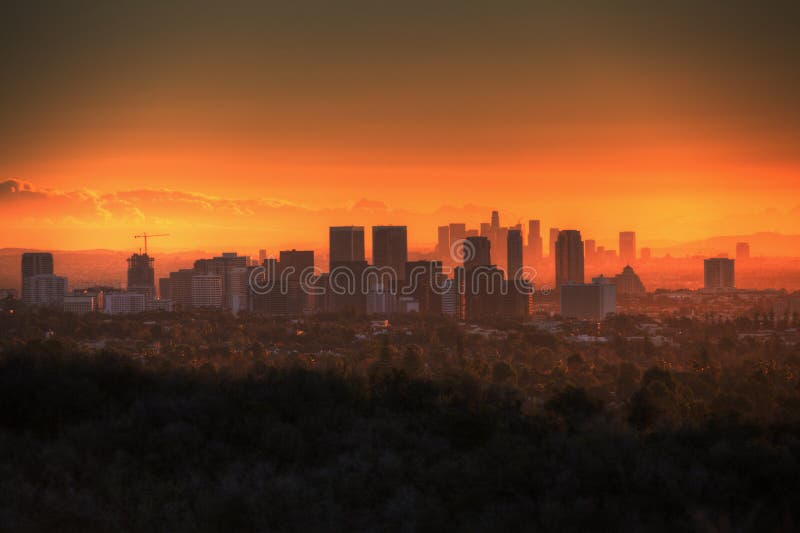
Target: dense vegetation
(249,424)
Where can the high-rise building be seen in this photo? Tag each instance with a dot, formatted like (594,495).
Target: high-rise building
(231,267)
(553,238)
(346,243)
(569,257)
(390,249)
(297,267)
(742,251)
(141,275)
(180,287)
(589,300)
(485,229)
(262,255)
(514,251)
(34,264)
(207,290)
(495,220)
(627,246)
(45,290)
(500,246)
(589,250)
(419,284)
(458,232)
(443,242)
(719,273)
(535,240)
(478,253)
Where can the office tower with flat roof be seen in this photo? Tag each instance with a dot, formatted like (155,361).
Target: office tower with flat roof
(390,249)
(742,251)
(569,257)
(485,229)
(262,255)
(421,276)
(34,264)
(500,246)
(231,267)
(180,288)
(535,240)
(297,267)
(443,242)
(589,250)
(592,300)
(45,290)
(627,246)
(458,232)
(495,220)
(207,290)
(553,239)
(514,253)
(719,273)
(346,244)
(477,253)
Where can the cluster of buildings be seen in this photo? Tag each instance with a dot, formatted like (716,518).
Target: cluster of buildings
(476,273)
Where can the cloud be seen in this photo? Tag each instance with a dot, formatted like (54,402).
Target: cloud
(13,189)
(369,204)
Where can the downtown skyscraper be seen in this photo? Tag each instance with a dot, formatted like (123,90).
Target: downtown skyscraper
(569,257)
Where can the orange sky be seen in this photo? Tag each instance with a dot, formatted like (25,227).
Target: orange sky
(261,124)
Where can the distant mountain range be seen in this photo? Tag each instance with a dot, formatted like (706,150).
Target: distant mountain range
(764,244)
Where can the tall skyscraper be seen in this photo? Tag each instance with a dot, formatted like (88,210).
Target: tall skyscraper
(553,239)
(719,273)
(346,244)
(742,251)
(458,232)
(262,255)
(589,250)
(207,290)
(627,246)
(500,246)
(486,229)
(495,220)
(421,275)
(298,265)
(34,264)
(479,253)
(569,257)
(390,248)
(443,242)
(232,268)
(514,251)
(141,275)
(535,240)
(45,290)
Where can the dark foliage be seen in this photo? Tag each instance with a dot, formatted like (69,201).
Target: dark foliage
(106,443)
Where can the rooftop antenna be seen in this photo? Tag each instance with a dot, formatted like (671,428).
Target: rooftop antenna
(146,236)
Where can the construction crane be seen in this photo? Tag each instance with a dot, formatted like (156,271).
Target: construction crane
(146,236)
